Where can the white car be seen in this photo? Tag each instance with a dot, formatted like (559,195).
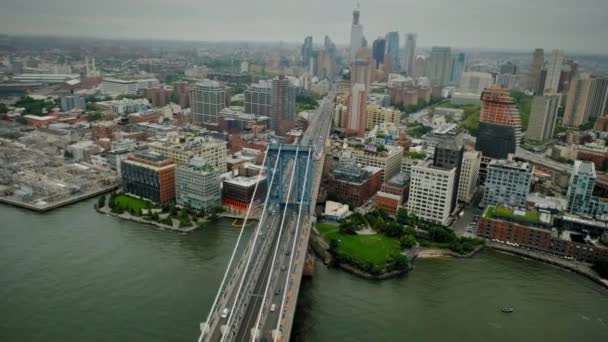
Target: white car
(273,307)
(225,313)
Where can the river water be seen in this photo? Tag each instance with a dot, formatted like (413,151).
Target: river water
(75,275)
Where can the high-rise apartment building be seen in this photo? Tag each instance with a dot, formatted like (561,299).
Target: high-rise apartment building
(420,69)
(499,131)
(258,98)
(378,48)
(475,82)
(356,34)
(457,68)
(356,109)
(469,176)
(431,192)
(410,53)
(439,65)
(580,187)
(207,99)
(448,155)
(554,72)
(392,50)
(149,175)
(543,118)
(507,183)
(536,66)
(283,109)
(197,185)
(587,98)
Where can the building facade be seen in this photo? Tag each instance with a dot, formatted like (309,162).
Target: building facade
(150,176)
(376,115)
(507,183)
(283,105)
(182,149)
(587,100)
(392,50)
(475,82)
(207,99)
(70,102)
(439,66)
(197,185)
(543,118)
(431,193)
(258,98)
(355,120)
(389,161)
(410,54)
(469,176)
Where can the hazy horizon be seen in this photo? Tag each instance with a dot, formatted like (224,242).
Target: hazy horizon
(468,24)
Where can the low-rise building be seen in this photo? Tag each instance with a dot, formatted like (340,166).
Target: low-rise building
(238,192)
(335,211)
(352,184)
(389,159)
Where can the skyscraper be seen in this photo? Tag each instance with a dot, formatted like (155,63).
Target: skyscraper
(536,66)
(378,48)
(586,100)
(361,68)
(543,117)
(207,99)
(457,68)
(554,72)
(356,110)
(392,50)
(420,69)
(283,108)
(306,53)
(410,53)
(356,34)
(475,82)
(439,65)
(499,124)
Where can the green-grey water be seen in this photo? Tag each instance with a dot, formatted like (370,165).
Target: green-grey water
(75,275)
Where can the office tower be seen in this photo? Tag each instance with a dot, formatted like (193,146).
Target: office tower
(475,82)
(306,53)
(543,117)
(508,68)
(439,65)
(392,50)
(469,176)
(361,68)
(420,69)
(258,98)
(356,110)
(586,100)
(554,72)
(70,102)
(580,187)
(431,192)
(410,53)
(536,66)
(207,98)
(197,185)
(457,69)
(507,183)
(283,109)
(448,155)
(500,126)
(149,175)
(378,48)
(356,34)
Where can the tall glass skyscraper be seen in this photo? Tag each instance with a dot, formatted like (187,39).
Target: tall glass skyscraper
(392,50)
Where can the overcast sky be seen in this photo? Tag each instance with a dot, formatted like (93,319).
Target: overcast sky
(580,25)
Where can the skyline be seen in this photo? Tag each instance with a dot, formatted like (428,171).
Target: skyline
(563,25)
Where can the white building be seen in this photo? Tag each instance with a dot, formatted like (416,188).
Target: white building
(197,185)
(389,161)
(335,210)
(113,86)
(431,192)
(356,35)
(554,72)
(469,175)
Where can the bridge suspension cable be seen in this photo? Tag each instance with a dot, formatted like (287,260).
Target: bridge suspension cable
(250,256)
(234,251)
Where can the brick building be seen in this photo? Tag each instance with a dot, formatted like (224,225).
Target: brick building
(149,175)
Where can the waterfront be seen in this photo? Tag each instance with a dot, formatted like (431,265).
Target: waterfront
(75,275)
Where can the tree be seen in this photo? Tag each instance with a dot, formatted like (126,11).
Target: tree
(21,120)
(400,262)
(402,216)
(3,108)
(101,202)
(601,267)
(407,241)
(67,154)
(441,234)
(348,227)
(394,229)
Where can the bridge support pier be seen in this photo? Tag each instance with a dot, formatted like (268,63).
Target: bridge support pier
(309,265)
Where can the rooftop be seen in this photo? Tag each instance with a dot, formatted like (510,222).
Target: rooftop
(518,215)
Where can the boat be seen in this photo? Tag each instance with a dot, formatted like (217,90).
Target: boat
(507,310)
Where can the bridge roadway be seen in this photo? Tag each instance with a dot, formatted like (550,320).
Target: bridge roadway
(277,257)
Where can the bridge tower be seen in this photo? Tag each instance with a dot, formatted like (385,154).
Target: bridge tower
(289,153)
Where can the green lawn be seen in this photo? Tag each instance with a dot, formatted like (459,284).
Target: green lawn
(375,249)
(129,202)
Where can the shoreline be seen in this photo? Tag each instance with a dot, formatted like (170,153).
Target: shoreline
(578,267)
(129,217)
(56,205)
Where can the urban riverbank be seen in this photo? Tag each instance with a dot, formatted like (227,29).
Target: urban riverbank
(574,266)
(128,217)
(44,207)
